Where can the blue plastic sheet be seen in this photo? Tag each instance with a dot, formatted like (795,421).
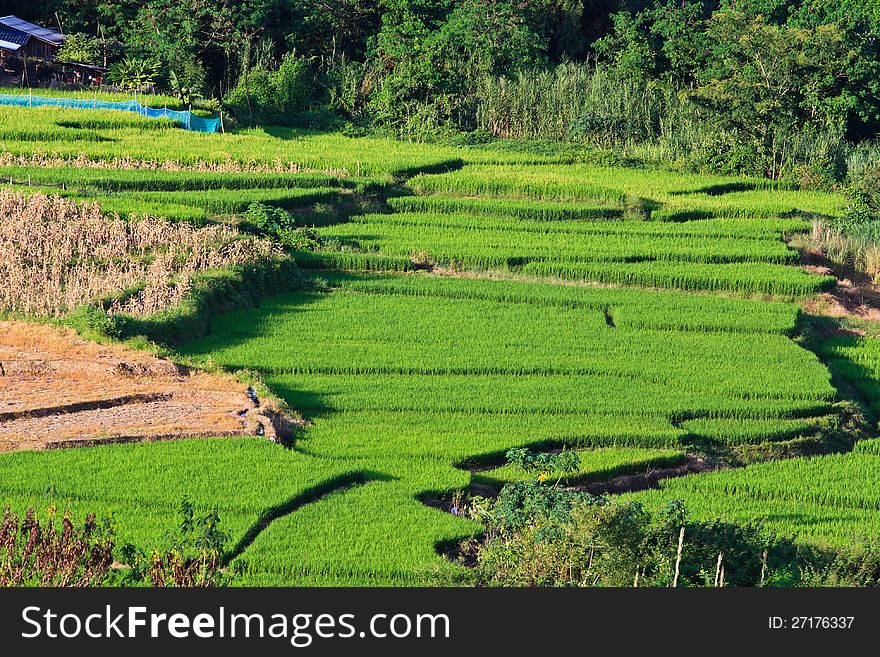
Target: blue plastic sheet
(186,120)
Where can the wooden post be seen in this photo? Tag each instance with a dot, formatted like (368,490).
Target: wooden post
(222,127)
(763,568)
(636,580)
(678,556)
(718,568)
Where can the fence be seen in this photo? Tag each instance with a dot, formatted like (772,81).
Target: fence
(186,120)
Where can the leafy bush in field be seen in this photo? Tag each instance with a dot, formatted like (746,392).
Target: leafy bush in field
(136,74)
(864,195)
(542,535)
(194,558)
(269,219)
(544,464)
(280,224)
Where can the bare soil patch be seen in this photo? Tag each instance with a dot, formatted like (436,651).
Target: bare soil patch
(855,297)
(649,479)
(58,390)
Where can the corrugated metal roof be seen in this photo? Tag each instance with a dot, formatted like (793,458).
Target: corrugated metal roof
(7,45)
(43,33)
(13,36)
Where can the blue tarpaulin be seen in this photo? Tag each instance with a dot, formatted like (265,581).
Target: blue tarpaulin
(186,120)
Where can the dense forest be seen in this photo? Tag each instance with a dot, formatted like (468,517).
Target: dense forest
(769,87)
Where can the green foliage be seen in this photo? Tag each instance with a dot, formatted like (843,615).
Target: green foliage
(544,464)
(530,502)
(765,81)
(93,323)
(658,79)
(193,558)
(863,192)
(275,95)
(136,74)
(180,90)
(433,58)
(80,48)
(280,224)
(269,220)
(544,536)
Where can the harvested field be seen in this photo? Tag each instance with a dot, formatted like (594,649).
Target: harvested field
(58,390)
(57,254)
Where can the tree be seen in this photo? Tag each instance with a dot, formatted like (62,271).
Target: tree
(763,80)
(80,48)
(430,57)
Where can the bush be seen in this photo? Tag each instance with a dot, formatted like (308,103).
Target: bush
(268,219)
(546,535)
(276,96)
(863,192)
(729,154)
(136,74)
(280,224)
(193,560)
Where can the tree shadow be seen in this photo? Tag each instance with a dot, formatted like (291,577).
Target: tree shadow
(721,189)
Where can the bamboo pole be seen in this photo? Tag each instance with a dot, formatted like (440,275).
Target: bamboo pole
(718,568)
(678,556)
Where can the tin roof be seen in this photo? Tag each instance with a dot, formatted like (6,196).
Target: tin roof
(12,39)
(46,34)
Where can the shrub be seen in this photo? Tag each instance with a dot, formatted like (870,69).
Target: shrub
(278,95)
(194,558)
(863,192)
(137,74)
(34,553)
(280,224)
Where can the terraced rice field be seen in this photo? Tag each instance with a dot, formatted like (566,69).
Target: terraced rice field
(828,500)
(632,315)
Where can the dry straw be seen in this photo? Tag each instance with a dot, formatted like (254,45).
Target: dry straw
(56,255)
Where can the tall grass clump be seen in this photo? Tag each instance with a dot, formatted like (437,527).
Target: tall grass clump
(854,239)
(649,120)
(586,102)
